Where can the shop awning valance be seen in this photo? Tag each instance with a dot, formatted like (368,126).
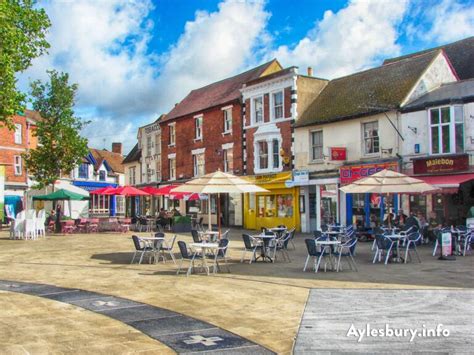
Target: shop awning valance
(447,183)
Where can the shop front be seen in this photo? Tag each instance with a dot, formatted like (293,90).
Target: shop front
(365,210)
(102,205)
(454,177)
(278,206)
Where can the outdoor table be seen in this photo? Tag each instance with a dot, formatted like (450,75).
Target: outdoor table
(153,243)
(266,239)
(210,235)
(333,233)
(150,224)
(327,245)
(396,238)
(212,247)
(278,231)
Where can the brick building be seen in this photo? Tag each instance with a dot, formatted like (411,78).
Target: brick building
(14,143)
(203,133)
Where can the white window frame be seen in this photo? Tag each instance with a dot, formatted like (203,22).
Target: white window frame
(199,157)
(252,107)
(172,167)
(198,127)
(17,165)
(228,119)
(364,151)
(269,140)
(18,134)
(312,159)
(225,150)
(272,105)
(132,175)
(172,134)
(149,145)
(452,129)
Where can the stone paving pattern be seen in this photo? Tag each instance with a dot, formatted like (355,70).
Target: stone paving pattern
(330,314)
(261,302)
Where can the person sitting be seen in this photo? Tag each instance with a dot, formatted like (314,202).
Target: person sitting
(400,219)
(163,218)
(175,212)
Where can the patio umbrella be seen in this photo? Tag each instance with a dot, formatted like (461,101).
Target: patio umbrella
(388,182)
(165,190)
(102,191)
(151,190)
(217,183)
(61,195)
(128,191)
(184,196)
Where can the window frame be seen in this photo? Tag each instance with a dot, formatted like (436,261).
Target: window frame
(228,120)
(452,129)
(79,171)
(172,134)
(364,146)
(172,168)
(18,134)
(253,108)
(132,175)
(17,165)
(198,128)
(313,146)
(199,157)
(273,107)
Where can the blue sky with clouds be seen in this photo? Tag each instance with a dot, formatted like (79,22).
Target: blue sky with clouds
(134,59)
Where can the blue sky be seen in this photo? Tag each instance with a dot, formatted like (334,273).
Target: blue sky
(134,59)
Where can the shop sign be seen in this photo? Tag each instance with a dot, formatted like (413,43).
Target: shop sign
(441,164)
(349,174)
(446,247)
(271,178)
(153,128)
(338,153)
(300,177)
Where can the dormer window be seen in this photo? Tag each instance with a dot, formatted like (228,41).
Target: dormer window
(102,175)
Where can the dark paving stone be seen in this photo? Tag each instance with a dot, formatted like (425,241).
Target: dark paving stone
(205,340)
(139,313)
(103,303)
(170,325)
(31,289)
(254,350)
(73,295)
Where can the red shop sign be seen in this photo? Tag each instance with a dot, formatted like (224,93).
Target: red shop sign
(441,164)
(338,153)
(349,174)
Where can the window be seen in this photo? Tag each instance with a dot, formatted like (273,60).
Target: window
(172,168)
(228,160)
(276,153)
(198,122)
(17,135)
(258,109)
(371,138)
(149,145)
(277,99)
(102,175)
(317,145)
(285,206)
(198,163)
(447,134)
(263,155)
(149,173)
(132,176)
(228,120)
(172,137)
(158,144)
(84,171)
(17,164)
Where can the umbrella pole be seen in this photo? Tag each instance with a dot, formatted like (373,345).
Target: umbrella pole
(209,224)
(219,214)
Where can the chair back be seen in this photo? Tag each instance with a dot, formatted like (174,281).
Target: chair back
(31,214)
(383,242)
(414,237)
(324,228)
(170,245)
(225,235)
(183,249)
(351,245)
(317,234)
(223,244)
(136,242)
(281,226)
(159,235)
(195,235)
(247,241)
(311,247)
(200,221)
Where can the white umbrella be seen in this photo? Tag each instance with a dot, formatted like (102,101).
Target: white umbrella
(387,182)
(217,183)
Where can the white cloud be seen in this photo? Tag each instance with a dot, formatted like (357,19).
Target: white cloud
(213,46)
(352,39)
(449,21)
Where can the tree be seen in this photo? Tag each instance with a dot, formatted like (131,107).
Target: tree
(60,146)
(22,38)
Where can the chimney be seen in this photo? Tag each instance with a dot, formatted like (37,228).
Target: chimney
(310,71)
(117,148)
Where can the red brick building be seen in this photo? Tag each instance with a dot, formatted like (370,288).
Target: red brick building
(203,133)
(13,143)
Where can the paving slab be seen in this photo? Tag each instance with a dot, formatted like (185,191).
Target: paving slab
(387,321)
(138,313)
(170,325)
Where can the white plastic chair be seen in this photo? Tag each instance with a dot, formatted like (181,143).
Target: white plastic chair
(19,225)
(40,223)
(30,225)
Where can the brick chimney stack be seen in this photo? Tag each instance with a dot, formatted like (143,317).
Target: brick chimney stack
(310,71)
(117,148)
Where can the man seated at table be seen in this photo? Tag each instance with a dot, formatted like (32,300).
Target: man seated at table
(163,218)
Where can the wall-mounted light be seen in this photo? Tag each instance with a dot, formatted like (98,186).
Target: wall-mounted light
(413,129)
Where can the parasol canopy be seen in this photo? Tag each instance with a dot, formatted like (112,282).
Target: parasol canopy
(61,195)
(387,182)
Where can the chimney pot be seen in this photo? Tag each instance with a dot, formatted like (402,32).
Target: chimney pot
(117,148)
(310,71)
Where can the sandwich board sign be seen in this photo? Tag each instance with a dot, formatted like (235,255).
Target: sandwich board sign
(446,244)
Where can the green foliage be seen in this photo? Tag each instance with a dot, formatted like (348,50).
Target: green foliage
(60,146)
(22,38)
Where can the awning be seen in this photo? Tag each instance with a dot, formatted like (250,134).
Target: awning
(447,183)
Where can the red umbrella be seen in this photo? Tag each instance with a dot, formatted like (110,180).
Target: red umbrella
(103,191)
(184,196)
(128,191)
(166,190)
(151,190)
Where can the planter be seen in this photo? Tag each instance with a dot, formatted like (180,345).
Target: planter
(181,224)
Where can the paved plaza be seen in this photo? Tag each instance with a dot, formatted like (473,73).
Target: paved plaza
(79,294)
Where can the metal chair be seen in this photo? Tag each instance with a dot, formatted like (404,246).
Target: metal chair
(412,240)
(196,237)
(221,254)
(167,247)
(313,252)
(141,248)
(347,250)
(384,245)
(250,245)
(186,255)
(281,245)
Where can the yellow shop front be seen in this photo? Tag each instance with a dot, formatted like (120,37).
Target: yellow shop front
(278,206)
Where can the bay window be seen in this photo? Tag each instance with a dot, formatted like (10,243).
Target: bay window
(263,155)
(267,157)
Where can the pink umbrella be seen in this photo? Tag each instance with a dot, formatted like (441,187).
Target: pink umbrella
(165,190)
(103,191)
(151,190)
(128,191)
(184,196)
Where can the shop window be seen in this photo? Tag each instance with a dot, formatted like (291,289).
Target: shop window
(285,205)
(447,129)
(227,120)
(316,145)
(17,134)
(266,206)
(371,138)
(418,204)
(257,112)
(263,155)
(277,100)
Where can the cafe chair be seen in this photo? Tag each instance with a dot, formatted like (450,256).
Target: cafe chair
(313,253)
(225,235)
(412,240)
(140,248)
(186,255)
(221,254)
(383,247)
(40,223)
(465,241)
(167,247)
(292,237)
(281,245)
(250,245)
(196,237)
(347,251)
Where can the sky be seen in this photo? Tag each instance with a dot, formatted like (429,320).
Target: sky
(134,59)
